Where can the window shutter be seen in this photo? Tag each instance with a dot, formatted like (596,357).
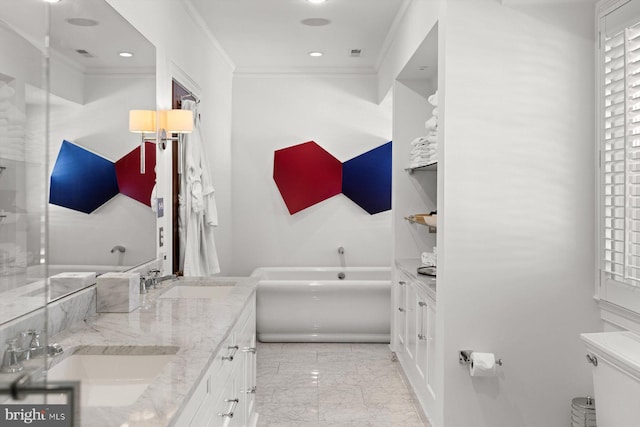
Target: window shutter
(620,148)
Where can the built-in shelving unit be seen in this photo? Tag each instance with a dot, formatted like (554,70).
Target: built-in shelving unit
(415,190)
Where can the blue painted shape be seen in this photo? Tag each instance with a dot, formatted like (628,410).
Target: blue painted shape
(81,180)
(366,179)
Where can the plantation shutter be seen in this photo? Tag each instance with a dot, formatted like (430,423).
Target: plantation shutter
(620,145)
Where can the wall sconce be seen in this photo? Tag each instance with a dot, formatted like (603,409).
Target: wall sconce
(161,123)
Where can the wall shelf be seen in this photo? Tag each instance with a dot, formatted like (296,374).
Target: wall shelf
(421,219)
(430,167)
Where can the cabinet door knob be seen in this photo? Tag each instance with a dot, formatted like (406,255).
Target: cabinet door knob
(591,358)
(402,283)
(422,303)
(401,310)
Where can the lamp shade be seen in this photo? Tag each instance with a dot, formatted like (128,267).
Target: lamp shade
(176,121)
(142,121)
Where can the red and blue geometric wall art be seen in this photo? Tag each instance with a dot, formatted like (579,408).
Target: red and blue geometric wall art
(84,181)
(366,179)
(130,181)
(81,180)
(307,174)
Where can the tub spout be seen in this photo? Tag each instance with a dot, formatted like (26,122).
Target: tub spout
(118,248)
(341,250)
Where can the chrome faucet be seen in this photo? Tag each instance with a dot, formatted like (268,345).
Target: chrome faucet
(150,281)
(118,248)
(12,360)
(34,348)
(14,355)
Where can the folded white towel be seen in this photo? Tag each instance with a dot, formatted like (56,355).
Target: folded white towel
(435,112)
(433,99)
(418,141)
(432,139)
(431,124)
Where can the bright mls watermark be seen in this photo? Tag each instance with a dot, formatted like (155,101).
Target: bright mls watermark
(36,415)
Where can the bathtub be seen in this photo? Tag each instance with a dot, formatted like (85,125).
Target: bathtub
(312,304)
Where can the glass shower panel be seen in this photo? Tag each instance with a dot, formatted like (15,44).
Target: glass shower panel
(23,190)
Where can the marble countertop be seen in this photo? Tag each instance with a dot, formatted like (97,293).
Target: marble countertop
(409,267)
(196,326)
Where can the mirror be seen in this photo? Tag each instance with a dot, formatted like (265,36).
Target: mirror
(90,90)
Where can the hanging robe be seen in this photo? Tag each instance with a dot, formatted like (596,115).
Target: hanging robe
(198,212)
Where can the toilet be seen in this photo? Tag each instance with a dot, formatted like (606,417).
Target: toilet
(615,357)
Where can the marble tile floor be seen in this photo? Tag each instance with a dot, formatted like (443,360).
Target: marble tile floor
(331,384)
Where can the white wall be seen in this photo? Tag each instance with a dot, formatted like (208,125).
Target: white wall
(518,207)
(341,114)
(410,30)
(101,126)
(185,51)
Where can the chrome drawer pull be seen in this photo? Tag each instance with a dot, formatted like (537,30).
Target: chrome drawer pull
(233,408)
(402,283)
(229,356)
(592,359)
(249,350)
(422,303)
(401,310)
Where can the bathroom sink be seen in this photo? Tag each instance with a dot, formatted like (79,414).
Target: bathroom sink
(109,380)
(187,291)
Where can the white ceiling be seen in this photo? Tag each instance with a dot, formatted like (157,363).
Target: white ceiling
(256,35)
(267,35)
(104,41)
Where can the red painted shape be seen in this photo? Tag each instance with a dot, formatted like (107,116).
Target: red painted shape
(130,181)
(306,174)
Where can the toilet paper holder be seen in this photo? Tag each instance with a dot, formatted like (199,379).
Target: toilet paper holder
(465,358)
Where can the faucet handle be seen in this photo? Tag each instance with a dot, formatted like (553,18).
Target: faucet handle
(35,337)
(154,271)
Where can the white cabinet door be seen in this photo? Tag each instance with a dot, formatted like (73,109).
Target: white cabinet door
(431,349)
(422,349)
(247,342)
(401,315)
(411,323)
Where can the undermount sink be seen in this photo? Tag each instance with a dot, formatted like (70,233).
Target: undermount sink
(188,291)
(110,380)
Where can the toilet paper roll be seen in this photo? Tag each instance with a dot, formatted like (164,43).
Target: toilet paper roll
(482,365)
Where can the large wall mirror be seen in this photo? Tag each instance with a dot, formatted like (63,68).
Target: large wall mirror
(82,97)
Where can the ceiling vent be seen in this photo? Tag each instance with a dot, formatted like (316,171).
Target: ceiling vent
(84,53)
(355,53)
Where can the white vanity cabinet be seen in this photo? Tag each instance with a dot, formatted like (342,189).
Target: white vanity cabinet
(414,333)
(225,395)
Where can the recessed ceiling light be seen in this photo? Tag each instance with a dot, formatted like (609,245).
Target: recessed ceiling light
(52,1)
(83,22)
(315,53)
(316,1)
(126,54)
(315,22)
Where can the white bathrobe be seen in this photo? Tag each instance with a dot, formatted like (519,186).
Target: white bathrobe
(198,211)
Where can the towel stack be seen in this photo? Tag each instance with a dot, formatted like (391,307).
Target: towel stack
(429,259)
(425,148)
(12,135)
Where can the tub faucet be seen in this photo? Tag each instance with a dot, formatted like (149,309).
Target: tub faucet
(341,250)
(118,248)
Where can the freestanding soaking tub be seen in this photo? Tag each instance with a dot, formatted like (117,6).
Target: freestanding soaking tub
(323,304)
